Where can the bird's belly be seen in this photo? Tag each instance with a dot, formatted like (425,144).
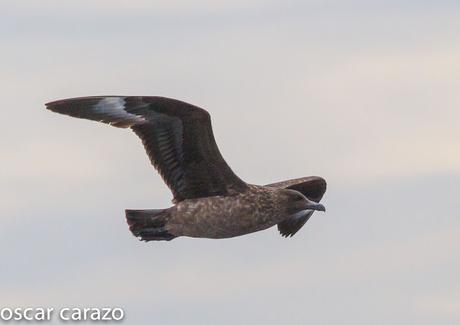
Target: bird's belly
(220,220)
(221,226)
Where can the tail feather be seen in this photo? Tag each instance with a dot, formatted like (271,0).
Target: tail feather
(149,225)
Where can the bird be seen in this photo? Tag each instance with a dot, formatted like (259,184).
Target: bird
(209,199)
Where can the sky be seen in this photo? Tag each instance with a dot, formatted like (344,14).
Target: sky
(362,93)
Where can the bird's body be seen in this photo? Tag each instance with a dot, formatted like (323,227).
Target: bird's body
(210,200)
(256,209)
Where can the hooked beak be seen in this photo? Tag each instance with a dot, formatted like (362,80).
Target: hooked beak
(315,206)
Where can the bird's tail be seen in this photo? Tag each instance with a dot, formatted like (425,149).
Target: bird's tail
(149,225)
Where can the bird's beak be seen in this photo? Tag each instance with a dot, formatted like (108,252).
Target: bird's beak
(315,206)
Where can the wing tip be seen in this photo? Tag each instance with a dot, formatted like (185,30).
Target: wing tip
(320,179)
(53,105)
(286,233)
(59,105)
(60,102)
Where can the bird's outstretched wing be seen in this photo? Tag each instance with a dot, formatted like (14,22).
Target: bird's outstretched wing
(313,188)
(177,136)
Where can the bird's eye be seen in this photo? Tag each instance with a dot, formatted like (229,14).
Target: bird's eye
(299,198)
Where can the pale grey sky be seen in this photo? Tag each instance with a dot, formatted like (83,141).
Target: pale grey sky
(363,93)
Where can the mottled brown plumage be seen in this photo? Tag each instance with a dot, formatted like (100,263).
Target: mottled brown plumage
(210,200)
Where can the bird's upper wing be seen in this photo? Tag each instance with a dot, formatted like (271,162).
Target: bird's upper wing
(177,136)
(313,188)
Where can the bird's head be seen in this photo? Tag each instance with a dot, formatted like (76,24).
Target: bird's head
(296,202)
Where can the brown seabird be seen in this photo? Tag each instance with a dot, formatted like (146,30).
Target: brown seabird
(210,201)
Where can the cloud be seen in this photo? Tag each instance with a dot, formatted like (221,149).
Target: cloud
(125,6)
(364,94)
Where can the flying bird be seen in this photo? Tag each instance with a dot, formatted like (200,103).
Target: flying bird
(210,200)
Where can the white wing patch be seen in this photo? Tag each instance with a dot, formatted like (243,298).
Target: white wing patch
(114,108)
(300,214)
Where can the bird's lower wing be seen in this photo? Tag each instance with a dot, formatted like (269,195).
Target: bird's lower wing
(291,226)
